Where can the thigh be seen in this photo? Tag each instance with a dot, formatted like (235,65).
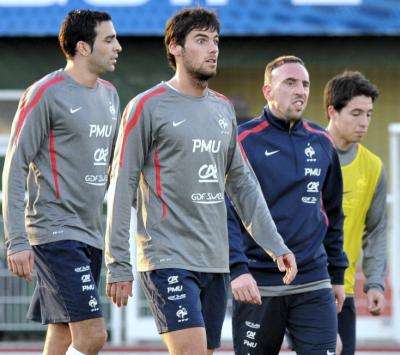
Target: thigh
(347,326)
(174,298)
(312,322)
(259,329)
(67,289)
(186,341)
(213,297)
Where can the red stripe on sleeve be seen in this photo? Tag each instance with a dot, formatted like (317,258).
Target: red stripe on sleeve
(323,211)
(53,163)
(314,130)
(106,83)
(27,106)
(159,192)
(220,95)
(135,118)
(256,129)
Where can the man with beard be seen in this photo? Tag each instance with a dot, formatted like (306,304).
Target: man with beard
(175,156)
(299,173)
(349,100)
(59,150)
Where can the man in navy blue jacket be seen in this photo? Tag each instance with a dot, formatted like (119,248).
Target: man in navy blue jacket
(299,173)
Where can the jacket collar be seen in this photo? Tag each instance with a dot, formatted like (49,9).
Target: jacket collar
(279,123)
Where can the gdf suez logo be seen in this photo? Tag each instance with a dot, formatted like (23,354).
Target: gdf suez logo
(208,173)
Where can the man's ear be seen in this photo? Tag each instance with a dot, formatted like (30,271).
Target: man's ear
(266,89)
(175,49)
(83,48)
(332,113)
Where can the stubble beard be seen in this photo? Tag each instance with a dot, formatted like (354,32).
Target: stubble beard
(199,75)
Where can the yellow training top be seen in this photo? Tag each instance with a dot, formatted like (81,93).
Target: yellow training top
(360,179)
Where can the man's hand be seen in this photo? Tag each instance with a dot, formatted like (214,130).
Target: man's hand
(244,289)
(287,262)
(375,301)
(119,292)
(21,264)
(340,296)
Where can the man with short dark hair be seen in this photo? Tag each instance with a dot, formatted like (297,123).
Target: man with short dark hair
(349,100)
(299,173)
(175,156)
(61,147)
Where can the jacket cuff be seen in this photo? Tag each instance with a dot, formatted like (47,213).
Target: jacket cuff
(337,276)
(17,246)
(373,285)
(238,269)
(118,272)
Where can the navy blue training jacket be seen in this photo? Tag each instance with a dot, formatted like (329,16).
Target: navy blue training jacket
(300,177)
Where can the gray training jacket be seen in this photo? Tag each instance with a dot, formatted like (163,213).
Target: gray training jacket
(60,148)
(175,157)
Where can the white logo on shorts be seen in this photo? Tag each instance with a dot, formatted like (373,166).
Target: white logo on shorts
(87,288)
(93,304)
(250,334)
(181,313)
(252,325)
(82,268)
(173,279)
(86,278)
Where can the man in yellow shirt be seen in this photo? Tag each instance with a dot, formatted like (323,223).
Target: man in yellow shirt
(349,99)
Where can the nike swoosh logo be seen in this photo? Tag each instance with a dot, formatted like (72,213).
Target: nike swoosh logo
(267,153)
(176,124)
(346,192)
(73,110)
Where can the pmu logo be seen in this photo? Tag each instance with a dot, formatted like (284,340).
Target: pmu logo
(210,146)
(312,171)
(100,131)
(310,153)
(208,173)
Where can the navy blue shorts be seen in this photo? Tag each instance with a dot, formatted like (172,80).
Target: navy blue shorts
(68,274)
(181,299)
(310,318)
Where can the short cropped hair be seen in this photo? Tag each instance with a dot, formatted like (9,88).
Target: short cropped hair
(277,62)
(343,87)
(79,25)
(185,21)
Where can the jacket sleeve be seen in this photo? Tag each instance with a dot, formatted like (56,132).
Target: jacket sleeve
(131,149)
(332,194)
(30,129)
(375,238)
(247,198)
(238,260)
